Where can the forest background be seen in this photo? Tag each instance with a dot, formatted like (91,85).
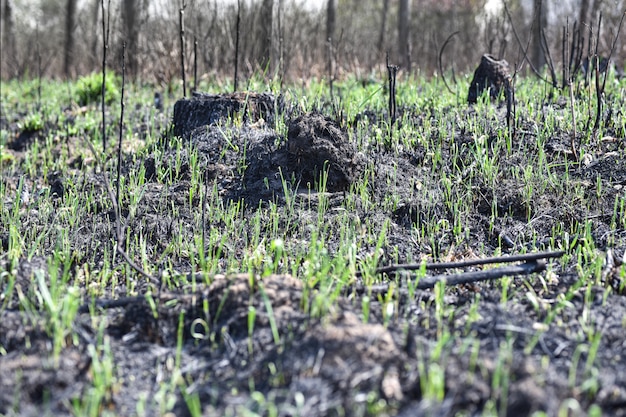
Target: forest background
(292,39)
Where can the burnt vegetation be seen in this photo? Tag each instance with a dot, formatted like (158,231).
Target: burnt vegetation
(234,212)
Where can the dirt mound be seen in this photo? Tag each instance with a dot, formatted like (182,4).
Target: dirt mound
(244,329)
(316,156)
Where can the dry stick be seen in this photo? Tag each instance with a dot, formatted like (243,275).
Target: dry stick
(38,71)
(443,77)
(572,49)
(329,67)
(600,91)
(589,49)
(568,79)
(118,221)
(576,53)
(334,50)
(463,264)
(106,25)
(119,144)
(181,21)
(521,46)
(463,278)
(106,303)
(548,57)
(206,190)
(195,63)
(237,44)
(564,43)
(392,70)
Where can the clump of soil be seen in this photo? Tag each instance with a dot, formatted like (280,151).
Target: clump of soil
(317,144)
(317,155)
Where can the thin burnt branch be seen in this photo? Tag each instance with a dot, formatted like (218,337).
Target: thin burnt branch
(237,32)
(118,221)
(522,49)
(464,264)
(548,57)
(392,71)
(426,283)
(443,47)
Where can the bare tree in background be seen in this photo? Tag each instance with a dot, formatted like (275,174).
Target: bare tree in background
(585,6)
(584,21)
(403,33)
(8,37)
(265,34)
(68,52)
(95,13)
(383,25)
(130,19)
(331,19)
(539,24)
(276,35)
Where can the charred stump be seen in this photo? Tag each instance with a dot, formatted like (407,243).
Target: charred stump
(209,109)
(492,74)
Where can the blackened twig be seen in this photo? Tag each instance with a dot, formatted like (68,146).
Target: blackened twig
(119,144)
(521,46)
(392,71)
(110,303)
(106,25)
(181,21)
(195,63)
(600,89)
(462,278)
(443,76)
(237,45)
(472,262)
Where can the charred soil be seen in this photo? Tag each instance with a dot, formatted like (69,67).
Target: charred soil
(240,316)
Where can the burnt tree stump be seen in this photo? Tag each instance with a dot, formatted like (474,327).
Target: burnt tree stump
(492,74)
(209,109)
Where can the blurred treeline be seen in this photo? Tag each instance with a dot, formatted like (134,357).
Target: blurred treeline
(294,39)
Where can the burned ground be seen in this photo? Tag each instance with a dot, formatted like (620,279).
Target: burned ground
(282,344)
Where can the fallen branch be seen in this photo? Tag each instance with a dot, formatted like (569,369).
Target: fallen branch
(464,264)
(475,276)
(106,303)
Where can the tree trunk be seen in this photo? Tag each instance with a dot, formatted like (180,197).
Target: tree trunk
(131,34)
(276,56)
(265,34)
(331,19)
(383,26)
(68,53)
(8,39)
(585,6)
(540,22)
(95,12)
(404,17)
(584,21)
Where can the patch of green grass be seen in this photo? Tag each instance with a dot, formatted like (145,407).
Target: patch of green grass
(89,88)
